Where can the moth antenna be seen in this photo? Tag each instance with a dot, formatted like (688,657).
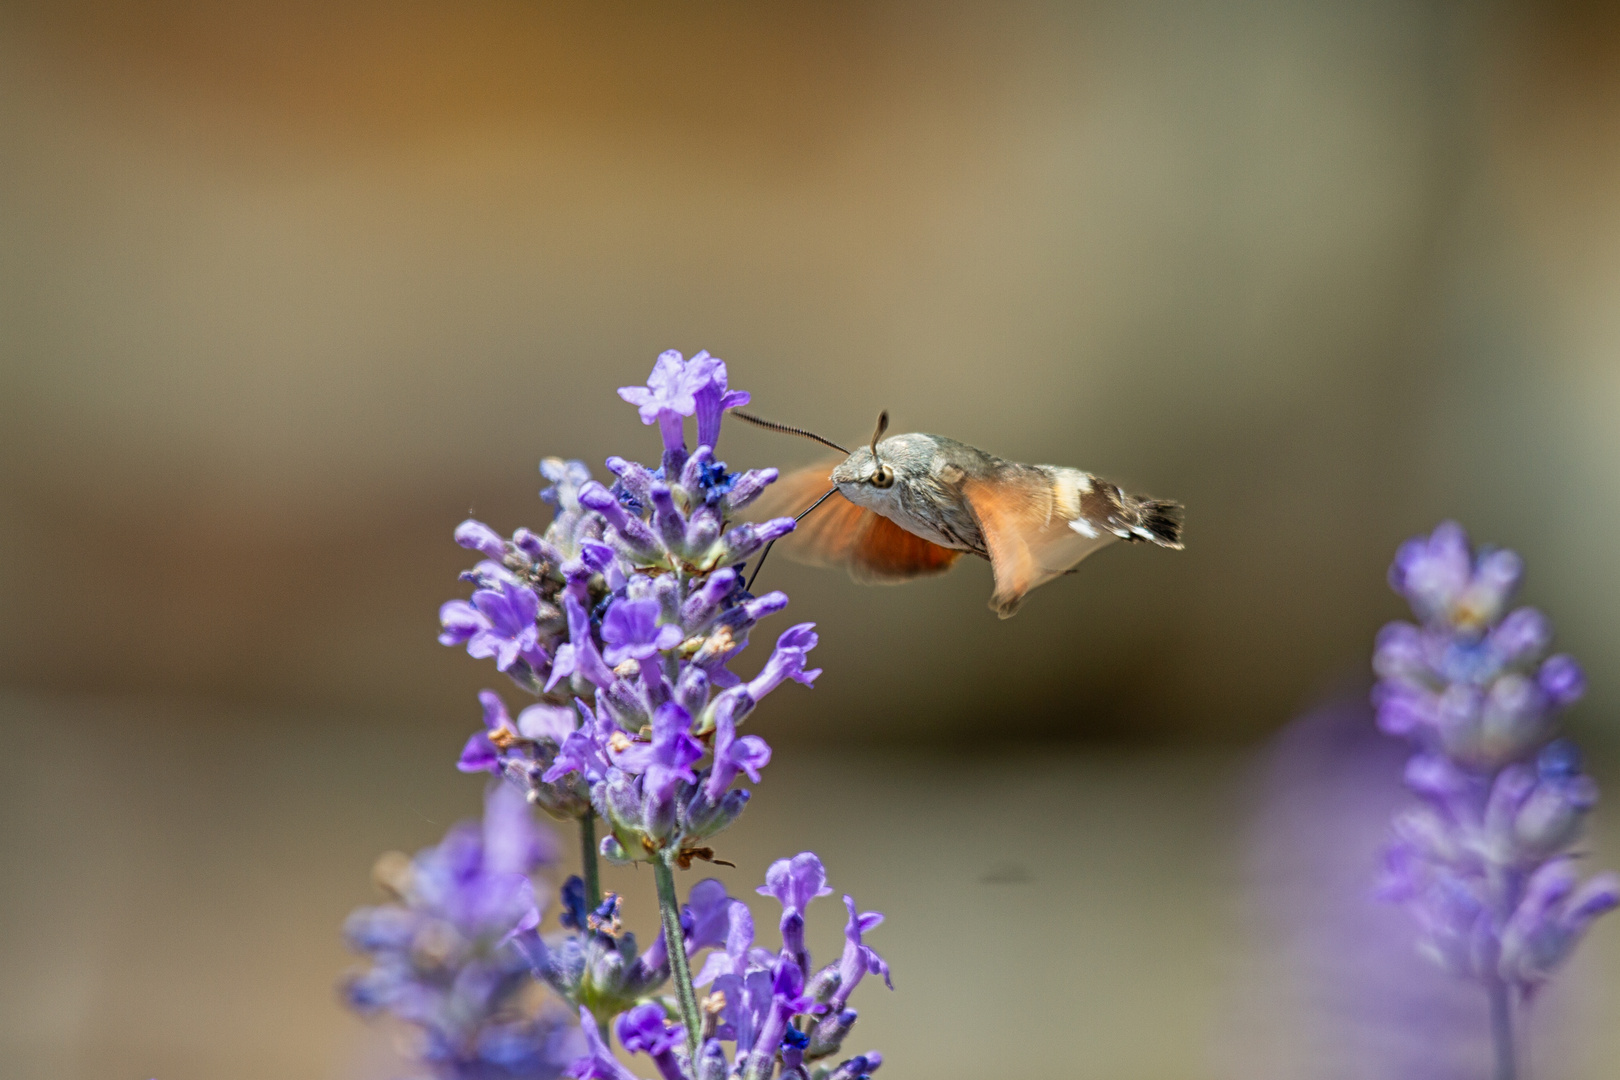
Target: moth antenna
(882,426)
(882,475)
(773,426)
(766,553)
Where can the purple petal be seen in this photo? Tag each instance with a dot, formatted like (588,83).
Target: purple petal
(480,537)
(796,881)
(495,715)
(460,621)
(479,755)
(554,722)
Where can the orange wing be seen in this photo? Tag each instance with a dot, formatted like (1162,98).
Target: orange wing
(1026,533)
(885,554)
(872,548)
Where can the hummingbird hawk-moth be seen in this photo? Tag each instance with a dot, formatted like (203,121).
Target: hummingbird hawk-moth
(910,505)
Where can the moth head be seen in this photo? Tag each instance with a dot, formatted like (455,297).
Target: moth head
(866,472)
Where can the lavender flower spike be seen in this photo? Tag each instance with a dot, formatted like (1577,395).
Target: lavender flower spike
(1485,862)
(442,953)
(622,618)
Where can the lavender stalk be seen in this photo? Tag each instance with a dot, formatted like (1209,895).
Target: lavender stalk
(621,621)
(1487,861)
(590,868)
(680,971)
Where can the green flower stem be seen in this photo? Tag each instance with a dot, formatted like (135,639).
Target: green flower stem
(589,868)
(669,909)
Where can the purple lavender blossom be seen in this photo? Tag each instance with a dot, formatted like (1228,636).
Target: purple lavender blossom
(499,622)
(630,602)
(670,395)
(442,957)
(598,1062)
(777,1009)
(680,388)
(540,752)
(1485,861)
(481,753)
(631,632)
(647,1029)
(622,618)
(599,966)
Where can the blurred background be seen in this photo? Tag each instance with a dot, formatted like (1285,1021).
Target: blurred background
(287,290)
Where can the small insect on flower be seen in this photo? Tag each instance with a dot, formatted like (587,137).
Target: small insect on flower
(910,505)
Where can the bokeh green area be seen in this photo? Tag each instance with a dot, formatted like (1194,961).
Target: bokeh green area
(286,290)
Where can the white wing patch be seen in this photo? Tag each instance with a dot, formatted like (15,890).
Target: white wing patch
(1056,550)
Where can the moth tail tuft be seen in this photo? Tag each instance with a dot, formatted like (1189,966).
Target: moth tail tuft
(1158,521)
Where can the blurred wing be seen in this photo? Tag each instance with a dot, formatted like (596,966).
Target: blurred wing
(885,554)
(1027,522)
(872,548)
(825,537)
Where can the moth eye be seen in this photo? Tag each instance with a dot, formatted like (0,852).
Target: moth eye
(883,477)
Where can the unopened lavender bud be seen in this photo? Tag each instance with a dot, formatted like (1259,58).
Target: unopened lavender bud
(692,690)
(593,496)
(657,816)
(1404,709)
(537,548)
(828,1036)
(614,852)
(702,531)
(692,472)
(1398,652)
(606,970)
(667,591)
(1426,832)
(704,603)
(711,1064)
(1521,637)
(1551,818)
(824,983)
(705,817)
(1458,721)
(379,928)
(1457,716)
(633,477)
(857,1068)
(1495,577)
(618,800)
(769,604)
(623,705)
(1508,793)
(1514,719)
(748,487)
(741,542)
(480,537)
(667,519)
(634,531)
(1562,680)
(1436,777)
